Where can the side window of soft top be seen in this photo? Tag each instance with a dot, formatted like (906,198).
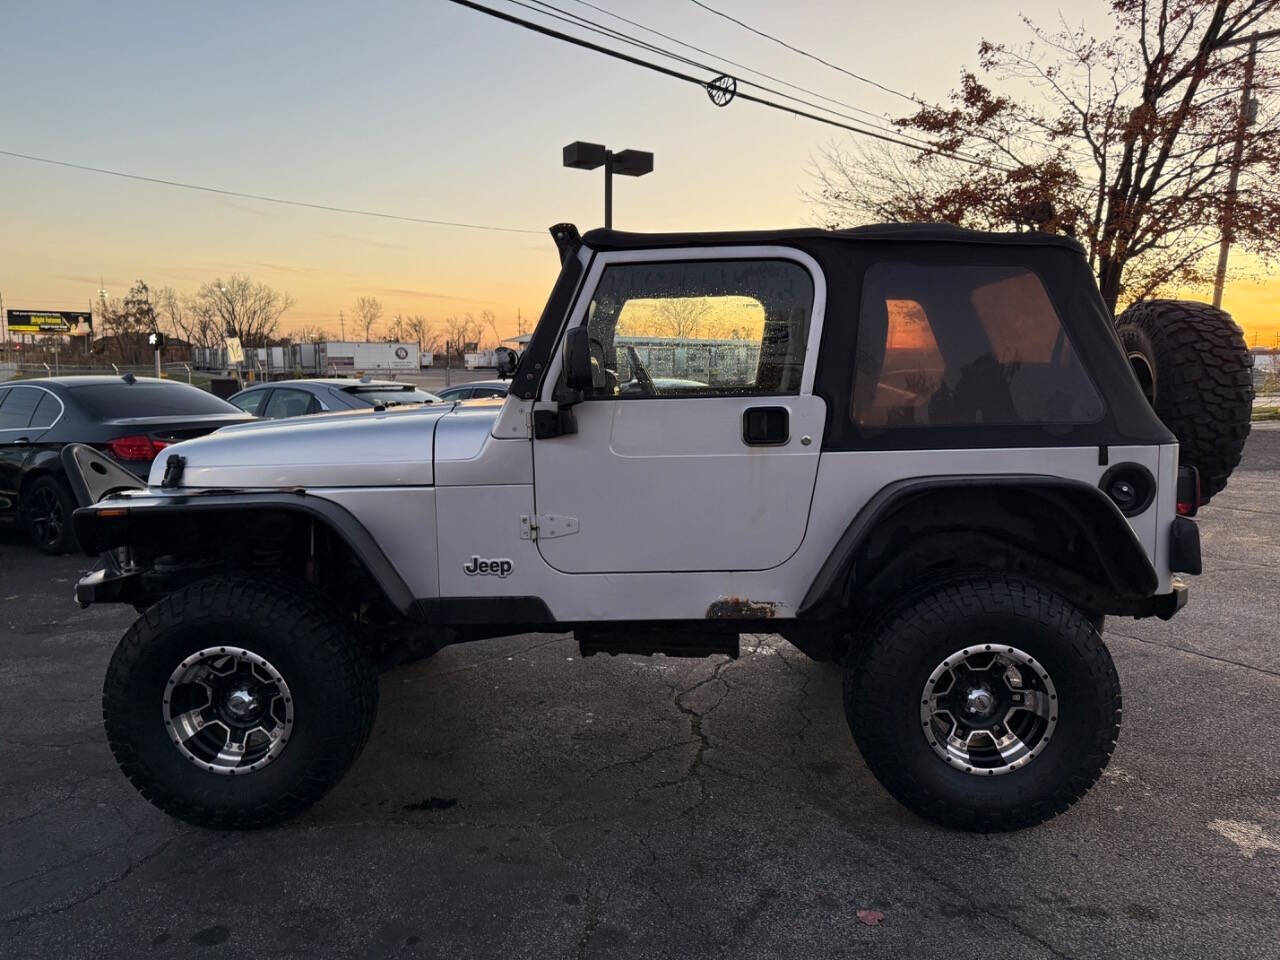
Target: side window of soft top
(950,345)
(700,328)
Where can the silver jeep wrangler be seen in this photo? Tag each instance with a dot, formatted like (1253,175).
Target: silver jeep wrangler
(917,451)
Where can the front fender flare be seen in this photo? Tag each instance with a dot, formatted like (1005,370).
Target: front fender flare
(106,525)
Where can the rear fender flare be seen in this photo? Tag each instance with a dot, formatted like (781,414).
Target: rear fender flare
(1125,566)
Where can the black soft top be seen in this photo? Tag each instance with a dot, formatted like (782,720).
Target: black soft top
(877,232)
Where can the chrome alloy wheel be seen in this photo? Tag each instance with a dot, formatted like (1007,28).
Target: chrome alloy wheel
(228,710)
(989,709)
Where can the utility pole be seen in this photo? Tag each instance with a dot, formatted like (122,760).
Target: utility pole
(1247,115)
(342,327)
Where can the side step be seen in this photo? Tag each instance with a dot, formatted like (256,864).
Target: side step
(668,642)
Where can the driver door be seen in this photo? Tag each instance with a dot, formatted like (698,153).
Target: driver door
(697,446)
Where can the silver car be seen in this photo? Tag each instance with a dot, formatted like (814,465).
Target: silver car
(295,398)
(476,390)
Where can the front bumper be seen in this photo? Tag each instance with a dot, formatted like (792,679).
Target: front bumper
(108,584)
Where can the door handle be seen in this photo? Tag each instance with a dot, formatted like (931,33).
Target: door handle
(21,441)
(766,426)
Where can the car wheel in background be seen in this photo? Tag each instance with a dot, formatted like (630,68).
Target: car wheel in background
(1194,366)
(46,507)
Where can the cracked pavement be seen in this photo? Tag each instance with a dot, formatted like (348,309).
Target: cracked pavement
(518,801)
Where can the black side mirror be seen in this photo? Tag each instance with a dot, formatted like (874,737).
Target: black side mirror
(577,359)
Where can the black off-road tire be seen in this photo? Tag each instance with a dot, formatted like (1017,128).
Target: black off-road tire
(1195,368)
(46,506)
(886,677)
(332,680)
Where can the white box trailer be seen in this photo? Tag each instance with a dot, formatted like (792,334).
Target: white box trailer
(348,355)
(480,360)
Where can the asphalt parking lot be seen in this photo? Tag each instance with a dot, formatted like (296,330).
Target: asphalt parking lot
(517,801)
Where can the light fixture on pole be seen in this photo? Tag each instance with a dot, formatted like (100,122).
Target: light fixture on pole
(628,163)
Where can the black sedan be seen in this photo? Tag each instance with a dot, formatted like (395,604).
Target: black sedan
(129,418)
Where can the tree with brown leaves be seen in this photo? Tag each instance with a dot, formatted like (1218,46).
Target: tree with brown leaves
(1124,142)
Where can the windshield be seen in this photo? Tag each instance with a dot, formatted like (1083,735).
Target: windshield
(120,401)
(374,395)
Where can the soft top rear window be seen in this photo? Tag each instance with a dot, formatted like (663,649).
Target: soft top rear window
(121,401)
(950,345)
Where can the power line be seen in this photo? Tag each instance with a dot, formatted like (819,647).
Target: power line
(806,53)
(677,75)
(595,27)
(265,199)
(733,63)
(878,120)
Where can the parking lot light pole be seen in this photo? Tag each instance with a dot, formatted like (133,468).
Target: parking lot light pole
(628,163)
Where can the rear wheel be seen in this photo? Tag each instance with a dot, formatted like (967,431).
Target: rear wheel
(47,506)
(986,704)
(1193,364)
(234,703)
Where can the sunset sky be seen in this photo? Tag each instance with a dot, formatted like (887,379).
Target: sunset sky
(426,109)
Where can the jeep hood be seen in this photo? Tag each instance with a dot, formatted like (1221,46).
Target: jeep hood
(356,448)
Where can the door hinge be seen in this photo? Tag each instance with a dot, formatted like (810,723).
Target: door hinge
(546,526)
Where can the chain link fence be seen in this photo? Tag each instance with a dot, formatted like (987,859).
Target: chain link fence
(184,372)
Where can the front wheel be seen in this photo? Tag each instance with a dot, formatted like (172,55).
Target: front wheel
(985,704)
(236,703)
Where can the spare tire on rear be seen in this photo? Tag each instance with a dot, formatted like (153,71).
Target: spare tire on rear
(1195,368)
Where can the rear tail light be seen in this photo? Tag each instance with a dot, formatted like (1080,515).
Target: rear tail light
(137,447)
(1188,491)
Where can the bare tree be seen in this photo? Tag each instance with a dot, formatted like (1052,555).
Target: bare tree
(681,317)
(397,332)
(1128,146)
(310,333)
(366,314)
(416,325)
(488,319)
(461,330)
(240,307)
(178,317)
(172,316)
